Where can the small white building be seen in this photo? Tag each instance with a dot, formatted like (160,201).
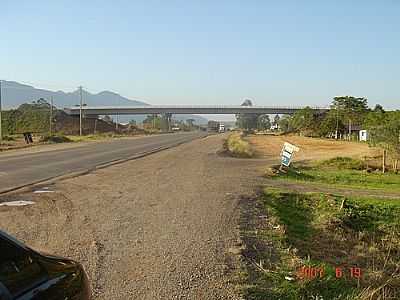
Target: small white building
(363,135)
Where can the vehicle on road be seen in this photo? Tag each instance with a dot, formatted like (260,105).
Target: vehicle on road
(221,128)
(26,274)
(213,126)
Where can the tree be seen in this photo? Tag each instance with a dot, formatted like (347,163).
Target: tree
(247,121)
(331,125)
(284,123)
(263,122)
(379,108)
(153,121)
(305,121)
(351,109)
(33,117)
(190,123)
(276,120)
(384,131)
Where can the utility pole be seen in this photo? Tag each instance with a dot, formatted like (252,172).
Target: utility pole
(51,116)
(383,160)
(350,129)
(1,132)
(80,111)
(337,123)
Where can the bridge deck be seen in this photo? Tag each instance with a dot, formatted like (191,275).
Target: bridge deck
(171,109)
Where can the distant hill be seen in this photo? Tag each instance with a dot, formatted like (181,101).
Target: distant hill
(14,94)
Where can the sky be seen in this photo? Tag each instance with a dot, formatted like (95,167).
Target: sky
(207,52)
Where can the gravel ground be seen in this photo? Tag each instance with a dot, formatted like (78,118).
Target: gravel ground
(160,227)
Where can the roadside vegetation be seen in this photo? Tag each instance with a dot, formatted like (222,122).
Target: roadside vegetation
(343,172)
(47,124)
(54,139)
(236,146)
(346,117)
(322,246)
(94,137)
(343,121)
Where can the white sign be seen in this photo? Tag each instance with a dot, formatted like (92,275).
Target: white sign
(290,147)
(287,153)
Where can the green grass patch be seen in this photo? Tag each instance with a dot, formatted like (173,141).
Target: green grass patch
(342,172)
(343,163)
(324,231)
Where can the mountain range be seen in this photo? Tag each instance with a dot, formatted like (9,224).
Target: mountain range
(14,94)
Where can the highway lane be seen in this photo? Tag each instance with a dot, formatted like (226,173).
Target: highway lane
(23,169)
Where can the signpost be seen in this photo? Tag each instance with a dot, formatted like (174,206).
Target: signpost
(287,153)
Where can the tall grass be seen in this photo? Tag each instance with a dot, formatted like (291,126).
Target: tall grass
(236,146)
(343,172)
(316,230)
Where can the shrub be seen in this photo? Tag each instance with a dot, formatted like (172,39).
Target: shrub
(55,139)
(343,163)
(238,147)
(8,138)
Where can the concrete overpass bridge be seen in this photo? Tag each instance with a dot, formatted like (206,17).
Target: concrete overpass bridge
(168,110)
(182,109)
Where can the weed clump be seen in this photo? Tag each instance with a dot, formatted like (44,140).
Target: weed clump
(339,162)
(238,147)
(55,139)
(8,138)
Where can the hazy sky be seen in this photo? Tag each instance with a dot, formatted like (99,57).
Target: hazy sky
(207,52)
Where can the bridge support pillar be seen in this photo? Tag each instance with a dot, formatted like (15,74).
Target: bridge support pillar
(166,122)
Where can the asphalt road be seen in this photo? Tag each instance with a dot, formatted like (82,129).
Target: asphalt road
(26,168)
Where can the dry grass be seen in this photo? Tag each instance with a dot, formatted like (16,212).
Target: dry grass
(310,148)
(237,147)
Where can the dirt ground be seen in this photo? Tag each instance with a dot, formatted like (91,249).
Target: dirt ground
(310,148)
(160,227)
(165,226)
(313,149)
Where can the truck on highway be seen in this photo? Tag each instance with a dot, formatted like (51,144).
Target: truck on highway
(221,128)
(213,126)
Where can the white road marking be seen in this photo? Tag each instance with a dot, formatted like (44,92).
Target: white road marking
(17,203)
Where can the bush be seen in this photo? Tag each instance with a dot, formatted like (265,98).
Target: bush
(8,138)
(238,147)
(343,163)
(55,139)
